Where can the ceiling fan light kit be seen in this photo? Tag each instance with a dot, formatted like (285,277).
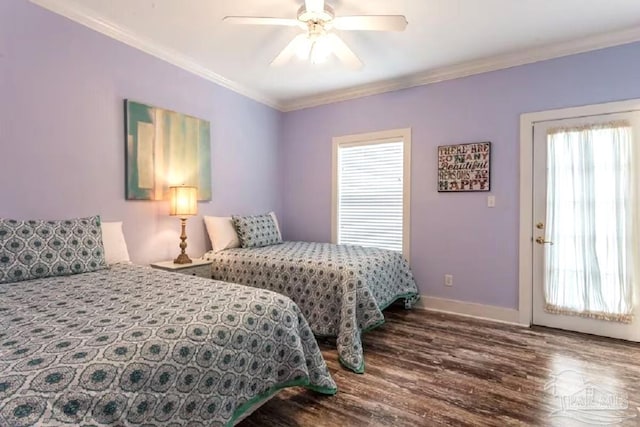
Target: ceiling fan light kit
(316,46)
(318,42)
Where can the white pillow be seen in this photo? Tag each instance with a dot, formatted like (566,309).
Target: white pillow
(221,232)
(115,247)
(275,219)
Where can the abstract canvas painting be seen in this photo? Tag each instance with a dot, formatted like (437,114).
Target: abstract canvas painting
(165,148)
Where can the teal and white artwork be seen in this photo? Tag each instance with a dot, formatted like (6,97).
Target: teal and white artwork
(165,148)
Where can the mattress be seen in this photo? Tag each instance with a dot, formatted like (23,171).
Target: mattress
(132,345)
(341,289)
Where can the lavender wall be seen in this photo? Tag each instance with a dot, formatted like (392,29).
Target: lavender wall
(450,233)
(62,131)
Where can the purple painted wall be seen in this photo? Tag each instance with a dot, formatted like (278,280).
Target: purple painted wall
(450,233)
(62,131)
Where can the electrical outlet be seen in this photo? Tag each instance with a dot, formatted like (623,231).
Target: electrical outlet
(448,279)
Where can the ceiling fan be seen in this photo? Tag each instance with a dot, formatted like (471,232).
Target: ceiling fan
(318,42)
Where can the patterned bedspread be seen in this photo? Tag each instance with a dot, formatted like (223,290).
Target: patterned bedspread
(130,345)
(341,289)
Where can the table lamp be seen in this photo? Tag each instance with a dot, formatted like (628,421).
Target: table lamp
(183,203)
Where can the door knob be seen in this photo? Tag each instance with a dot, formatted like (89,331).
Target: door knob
(540,240)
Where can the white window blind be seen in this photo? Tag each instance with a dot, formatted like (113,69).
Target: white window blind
(370,194)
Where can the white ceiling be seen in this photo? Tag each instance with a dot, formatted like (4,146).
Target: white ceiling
(444,39)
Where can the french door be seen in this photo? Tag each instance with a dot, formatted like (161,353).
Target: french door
(585,228)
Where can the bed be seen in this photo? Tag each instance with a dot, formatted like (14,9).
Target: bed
(341,289)
(131,345)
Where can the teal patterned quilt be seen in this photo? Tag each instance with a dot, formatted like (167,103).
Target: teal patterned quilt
(341,289)
(130,346)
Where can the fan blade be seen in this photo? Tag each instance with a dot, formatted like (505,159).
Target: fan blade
(289,51)
(314,6)
(344,53)
(371,23)
(259,20)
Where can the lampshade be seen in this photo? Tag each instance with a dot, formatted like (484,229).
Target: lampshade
(183,201)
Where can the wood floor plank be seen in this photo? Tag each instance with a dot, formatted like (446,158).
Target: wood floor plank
(431,369)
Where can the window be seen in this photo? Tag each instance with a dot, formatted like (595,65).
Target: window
(371,190)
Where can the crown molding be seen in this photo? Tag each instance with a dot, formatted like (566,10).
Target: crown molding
(465,69)
(85,17)
(469,68)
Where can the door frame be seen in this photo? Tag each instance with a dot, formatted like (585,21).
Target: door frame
(525,253)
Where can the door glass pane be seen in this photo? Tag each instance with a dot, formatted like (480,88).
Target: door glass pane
(588,267)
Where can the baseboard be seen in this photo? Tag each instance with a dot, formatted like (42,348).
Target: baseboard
(469,309)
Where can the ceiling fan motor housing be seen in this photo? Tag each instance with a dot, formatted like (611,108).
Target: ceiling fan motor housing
(324,16)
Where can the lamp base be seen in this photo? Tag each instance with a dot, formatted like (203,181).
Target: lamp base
(182,259)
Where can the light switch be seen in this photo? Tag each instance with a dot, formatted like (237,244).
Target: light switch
(491,201)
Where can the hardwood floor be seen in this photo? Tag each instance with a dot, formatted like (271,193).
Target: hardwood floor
(429,369)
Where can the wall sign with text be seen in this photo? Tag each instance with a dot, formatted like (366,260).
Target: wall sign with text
(464,167)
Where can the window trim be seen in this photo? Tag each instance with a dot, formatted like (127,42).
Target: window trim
(371,138)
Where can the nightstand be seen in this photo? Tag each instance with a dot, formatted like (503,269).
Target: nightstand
(198,268)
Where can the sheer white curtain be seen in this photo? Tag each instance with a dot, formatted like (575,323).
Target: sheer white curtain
(590,203)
